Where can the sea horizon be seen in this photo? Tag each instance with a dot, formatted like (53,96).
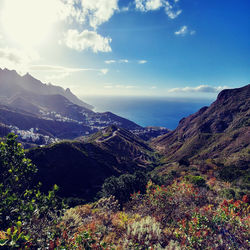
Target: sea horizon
(148,111)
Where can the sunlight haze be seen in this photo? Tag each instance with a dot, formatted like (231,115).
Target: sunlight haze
(184,48)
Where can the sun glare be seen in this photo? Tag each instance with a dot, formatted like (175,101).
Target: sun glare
(28,22)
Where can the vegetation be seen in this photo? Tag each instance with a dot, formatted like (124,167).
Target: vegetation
(177,216)
(26,214)
(121,187)
(187,213)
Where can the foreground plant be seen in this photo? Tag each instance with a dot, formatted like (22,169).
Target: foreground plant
(26,213)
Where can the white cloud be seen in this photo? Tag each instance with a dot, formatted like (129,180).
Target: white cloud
(95,12)
(183,31)
(201,88)
(171,8)
(123,61)
(172,14)
(12,58)
(110,61)
(153,4)
(148,5)
(87,40)
(142,61)
(60,72)
(140,5)
(91,13)
(117,61)
(171,11)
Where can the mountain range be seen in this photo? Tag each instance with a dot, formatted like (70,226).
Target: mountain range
(43,113)
(212,142)
(79,148)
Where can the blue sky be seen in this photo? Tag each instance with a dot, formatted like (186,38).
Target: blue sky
(191,48)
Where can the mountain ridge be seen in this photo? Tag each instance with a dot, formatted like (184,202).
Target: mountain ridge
(25,96)
(30,84)
(220,132)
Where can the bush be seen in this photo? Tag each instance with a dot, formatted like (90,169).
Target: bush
(25,212)
(121,187)
(229,173)
(144,234)
(196,180)
(228,193)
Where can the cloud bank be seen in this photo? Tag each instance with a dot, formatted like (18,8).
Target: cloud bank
(200,88)
(17,59)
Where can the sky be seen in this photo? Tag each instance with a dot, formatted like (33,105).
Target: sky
(190,48)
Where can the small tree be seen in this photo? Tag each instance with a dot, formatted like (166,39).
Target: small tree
(16,175)
(21,203)
(123,186)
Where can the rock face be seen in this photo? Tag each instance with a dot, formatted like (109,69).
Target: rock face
(219,131)
(80,168)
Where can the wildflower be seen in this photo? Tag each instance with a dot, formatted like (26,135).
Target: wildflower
(51,245)
(195,220)
(198,234)
(3,235)
(224,203)
(205,233)
(183,222)
(237,203)
(65,235)
(245,199)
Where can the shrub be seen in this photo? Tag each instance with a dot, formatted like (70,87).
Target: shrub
(109,204)
(225,227)
(144,234)
(26,214)
(121,187)
(228,193)
(196,180)
(229,173)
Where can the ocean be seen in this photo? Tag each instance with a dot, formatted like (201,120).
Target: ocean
(148,111)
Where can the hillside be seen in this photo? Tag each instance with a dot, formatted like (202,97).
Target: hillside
(133,213)
(33,129)
(213,140)
(80,168)
(123,144)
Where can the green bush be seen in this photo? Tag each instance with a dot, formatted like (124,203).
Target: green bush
(25,212)
(228,193)
(198,181)
(123,186)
